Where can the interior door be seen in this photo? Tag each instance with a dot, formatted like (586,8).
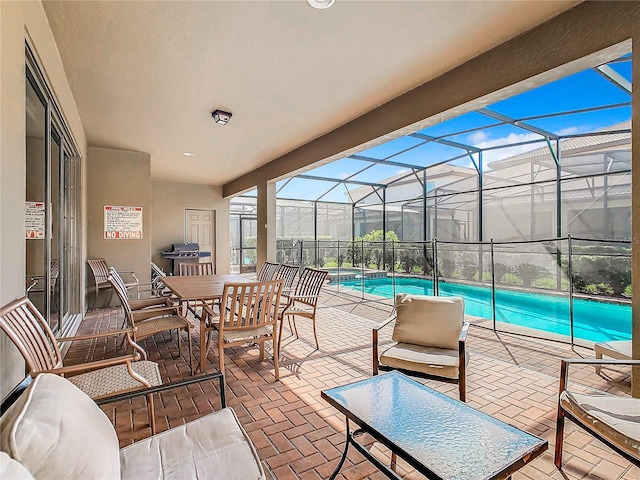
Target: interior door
(200,228)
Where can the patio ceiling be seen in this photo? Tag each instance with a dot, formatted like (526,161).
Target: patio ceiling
(146,75)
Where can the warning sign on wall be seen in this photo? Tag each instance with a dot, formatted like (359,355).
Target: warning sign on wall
(34,220)
(122,223)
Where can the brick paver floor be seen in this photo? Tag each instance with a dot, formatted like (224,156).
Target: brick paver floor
(298,435)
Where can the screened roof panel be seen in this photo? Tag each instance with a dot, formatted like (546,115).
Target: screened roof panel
(339,169)
(390,148)
(338,194)
(428,154)
(570,93)
(464,122)
(380,173)
(496,136)
(305,189)
(585,122)
(360,192)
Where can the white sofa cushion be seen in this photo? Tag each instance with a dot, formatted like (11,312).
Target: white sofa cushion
(428,321)
(11,469)
(615,418)
(212,447)
(56,431)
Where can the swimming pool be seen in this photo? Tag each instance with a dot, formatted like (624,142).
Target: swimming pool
(592,320)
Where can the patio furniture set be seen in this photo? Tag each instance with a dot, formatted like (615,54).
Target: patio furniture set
(436,435)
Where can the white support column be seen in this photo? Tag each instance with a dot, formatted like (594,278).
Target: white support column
(635,216)
(261,240)
(271,221)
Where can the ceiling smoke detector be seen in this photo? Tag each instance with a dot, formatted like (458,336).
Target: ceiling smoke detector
(220,117)
(321,4)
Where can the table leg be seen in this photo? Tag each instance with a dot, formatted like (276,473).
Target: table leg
(344,454)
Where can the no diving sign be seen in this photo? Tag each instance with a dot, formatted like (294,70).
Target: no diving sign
(122,223)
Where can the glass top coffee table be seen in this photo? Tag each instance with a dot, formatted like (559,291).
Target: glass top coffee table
(440,437)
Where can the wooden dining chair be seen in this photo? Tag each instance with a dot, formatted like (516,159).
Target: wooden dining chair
(268,271)
(205,268)
(304,300)
(100,271)
(288,274)
(21,321)
(249,316)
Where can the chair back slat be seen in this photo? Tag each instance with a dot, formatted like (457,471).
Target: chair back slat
(100,270)
(206,268)
(310,283)
(121,291)
(287,273)
(250,305)
(28,330)
(268,271)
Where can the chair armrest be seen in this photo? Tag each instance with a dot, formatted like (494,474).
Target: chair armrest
(565,362)
(386,322)
(463,333)
(151,312)
(127,332)
(107,362)
(168,386)
(34,282)
(129,272)
(374,342)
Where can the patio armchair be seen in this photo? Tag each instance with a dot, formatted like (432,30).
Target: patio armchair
(53,430)
(100,271)
(430,335)
(267,271)
(147,291)
(28,330)
(146,322)
(249,316)
(612,419)
(304,300)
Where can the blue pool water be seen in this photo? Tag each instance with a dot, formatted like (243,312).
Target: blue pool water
(593,321)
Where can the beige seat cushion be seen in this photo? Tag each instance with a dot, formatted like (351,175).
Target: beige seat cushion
(11,469)
(615,418)
(432,361)
(57,431)
(428,321)
(212,447)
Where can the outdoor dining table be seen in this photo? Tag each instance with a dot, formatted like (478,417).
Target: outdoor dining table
(442,438)
(205,288)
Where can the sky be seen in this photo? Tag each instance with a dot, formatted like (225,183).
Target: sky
(586,89)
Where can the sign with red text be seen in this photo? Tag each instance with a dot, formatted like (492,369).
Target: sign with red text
(122,223)
(34,220)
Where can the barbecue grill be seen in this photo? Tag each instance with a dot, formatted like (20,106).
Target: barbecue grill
(183,253)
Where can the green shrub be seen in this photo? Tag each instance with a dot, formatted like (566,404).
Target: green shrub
(627,291)
(416,269)
(598,289)
(512,279)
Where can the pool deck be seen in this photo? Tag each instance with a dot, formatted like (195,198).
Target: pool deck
(298,435)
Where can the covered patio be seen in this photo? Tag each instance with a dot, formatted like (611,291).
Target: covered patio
(298,435)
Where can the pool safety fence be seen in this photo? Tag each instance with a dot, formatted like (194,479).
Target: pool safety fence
(565,268)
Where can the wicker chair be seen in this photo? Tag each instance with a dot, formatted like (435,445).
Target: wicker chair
(149,300)
(249,316)
(29,331)
(303,302)
(149,321)
(268,272)
(430,335)
(100,271)
(205,268)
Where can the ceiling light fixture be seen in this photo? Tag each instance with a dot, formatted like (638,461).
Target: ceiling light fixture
(220,117)
(321,4)
(188,154)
